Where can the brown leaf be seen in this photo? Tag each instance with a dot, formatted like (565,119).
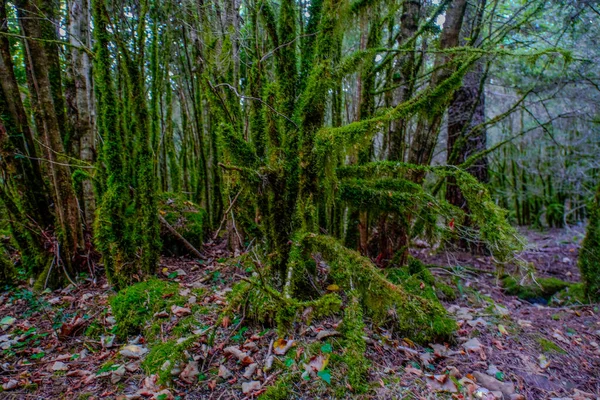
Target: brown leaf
(281,346)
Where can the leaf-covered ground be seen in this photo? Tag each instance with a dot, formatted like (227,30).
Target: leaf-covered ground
(62,344)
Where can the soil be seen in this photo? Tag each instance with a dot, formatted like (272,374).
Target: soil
(544,352)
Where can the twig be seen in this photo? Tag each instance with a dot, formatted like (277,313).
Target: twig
(225,215)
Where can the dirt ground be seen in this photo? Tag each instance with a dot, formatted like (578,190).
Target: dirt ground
(505,347)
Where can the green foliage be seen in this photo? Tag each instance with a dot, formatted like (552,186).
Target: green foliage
(134,307)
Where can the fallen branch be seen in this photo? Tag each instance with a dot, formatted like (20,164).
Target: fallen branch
(183,240)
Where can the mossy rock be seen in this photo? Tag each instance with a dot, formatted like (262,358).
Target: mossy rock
(539,291)
(187,218)
(134,307)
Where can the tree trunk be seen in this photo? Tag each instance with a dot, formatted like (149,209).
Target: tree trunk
(80,105)
(65,200)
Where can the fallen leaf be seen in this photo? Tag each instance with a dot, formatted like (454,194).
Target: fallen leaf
(243,357)
(502,329)
(250,370)
(414,371)
(133,351)
(190,372)
(249,387)
(333,288)
(473,345)
(59,366)
(117,375)
(441,383)
(180,311)
(224,372)
(543,361)
(10,385)
(281,346)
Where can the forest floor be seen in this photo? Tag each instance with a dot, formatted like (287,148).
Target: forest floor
(59,345)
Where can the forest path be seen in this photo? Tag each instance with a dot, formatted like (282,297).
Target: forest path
(61,344)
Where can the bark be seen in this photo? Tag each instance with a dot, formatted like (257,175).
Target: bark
(28,180)
(403,77)
(428,127)
(80,99)
(65,200)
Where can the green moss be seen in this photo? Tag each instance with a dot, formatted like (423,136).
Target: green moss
(94,330)
(549,346)
(354,346)
(417,279)
(538,289)
(412,315)
(281,390)
(160,353)
(573,294)
(134,306)
(589,255)
(188,219)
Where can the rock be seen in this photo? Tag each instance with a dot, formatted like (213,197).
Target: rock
(133,351)
(249,387)
(111,320)
(10,385)
(494,384)
(181,272)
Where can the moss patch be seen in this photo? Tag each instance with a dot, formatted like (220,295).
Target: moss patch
(188,219)
(135,306)
(573,294)
(416,278)
(548,346)
(540,290)
(171,351)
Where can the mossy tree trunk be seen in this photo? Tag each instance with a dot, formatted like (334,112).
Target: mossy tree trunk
(40,59)
(589,254)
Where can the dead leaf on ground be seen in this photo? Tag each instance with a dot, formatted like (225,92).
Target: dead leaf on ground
(441,383)
(281,346)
